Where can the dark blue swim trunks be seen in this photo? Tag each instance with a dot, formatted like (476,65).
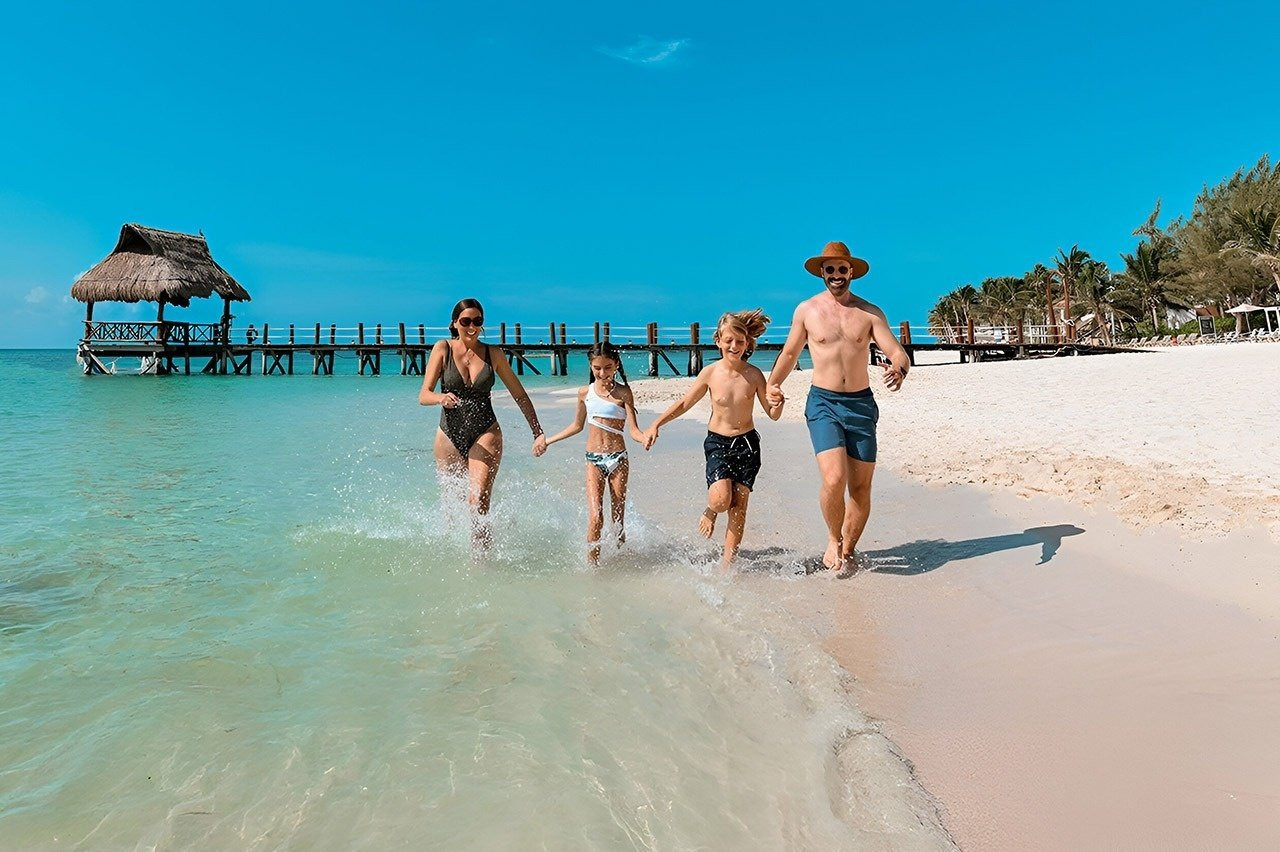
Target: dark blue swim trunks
(845,420)
(736,457)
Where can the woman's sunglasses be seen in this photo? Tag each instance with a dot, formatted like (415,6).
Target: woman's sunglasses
(831,270)
(467,322)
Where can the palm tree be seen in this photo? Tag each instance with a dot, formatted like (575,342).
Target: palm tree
(1069,264)
(1042,276)
(1259,240)
(1100,296)
(1146,277)
(954,310)
(1003,299)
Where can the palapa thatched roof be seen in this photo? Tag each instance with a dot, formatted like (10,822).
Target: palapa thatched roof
(150,265)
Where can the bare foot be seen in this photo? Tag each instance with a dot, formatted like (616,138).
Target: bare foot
(853,562)
(707,523)
(831,558)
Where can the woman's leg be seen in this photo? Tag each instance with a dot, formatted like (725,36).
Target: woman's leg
(595,511)
(719,499)
(451,466)
(737,524)
(618,498)
(483,460)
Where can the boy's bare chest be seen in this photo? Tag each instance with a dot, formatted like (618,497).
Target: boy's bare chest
(731,389)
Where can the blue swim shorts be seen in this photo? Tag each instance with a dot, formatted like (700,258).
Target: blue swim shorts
(846,420)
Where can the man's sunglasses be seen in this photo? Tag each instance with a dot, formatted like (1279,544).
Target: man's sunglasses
(467,322)
(832,270)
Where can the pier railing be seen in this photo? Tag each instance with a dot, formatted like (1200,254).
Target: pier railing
(971,334)
(394,334)
(272,348)
(158,333)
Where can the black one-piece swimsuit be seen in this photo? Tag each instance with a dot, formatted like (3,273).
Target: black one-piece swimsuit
(474,415)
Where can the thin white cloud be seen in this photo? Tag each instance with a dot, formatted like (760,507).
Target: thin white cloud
(646,51)
(37,296)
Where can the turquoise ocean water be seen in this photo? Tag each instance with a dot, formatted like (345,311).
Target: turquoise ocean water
(233,614)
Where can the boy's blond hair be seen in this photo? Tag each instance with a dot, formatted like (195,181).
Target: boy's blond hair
(751,323)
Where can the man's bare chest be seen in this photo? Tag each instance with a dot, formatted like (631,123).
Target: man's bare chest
(851,327)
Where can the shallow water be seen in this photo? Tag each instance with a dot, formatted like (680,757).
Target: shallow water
(232,614)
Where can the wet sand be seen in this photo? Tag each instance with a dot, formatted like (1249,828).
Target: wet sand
(1057,678)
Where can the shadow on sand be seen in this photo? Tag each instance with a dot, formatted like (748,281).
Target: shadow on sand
(920,557)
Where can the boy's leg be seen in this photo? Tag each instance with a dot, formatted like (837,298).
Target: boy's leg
(595,511)
(719,499)
(618,498)
(737,523)
(834,469)
(858,509)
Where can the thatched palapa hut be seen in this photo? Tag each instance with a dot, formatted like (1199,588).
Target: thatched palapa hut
(165,267)
(150,265)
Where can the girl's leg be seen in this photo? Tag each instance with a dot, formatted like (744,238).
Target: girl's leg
(595,512)
(719,499)
(483,461)
(618,498)
(737,524)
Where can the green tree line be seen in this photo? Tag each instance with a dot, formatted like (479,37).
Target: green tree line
(1225,253)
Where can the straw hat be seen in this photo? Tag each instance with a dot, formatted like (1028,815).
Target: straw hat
(837,251)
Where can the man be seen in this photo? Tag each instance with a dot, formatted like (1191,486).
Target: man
(841,410)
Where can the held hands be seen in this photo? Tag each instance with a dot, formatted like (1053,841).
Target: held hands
(893,376)
(539,444)
(650,437)
(774,394)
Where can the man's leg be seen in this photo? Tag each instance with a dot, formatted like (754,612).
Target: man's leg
(834,471)
(858,508)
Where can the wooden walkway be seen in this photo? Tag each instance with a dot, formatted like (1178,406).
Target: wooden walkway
(167,348)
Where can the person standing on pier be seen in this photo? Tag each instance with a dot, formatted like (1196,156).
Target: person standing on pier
(841,411)
(468,444)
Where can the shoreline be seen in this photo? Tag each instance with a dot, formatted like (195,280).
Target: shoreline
(1118,688)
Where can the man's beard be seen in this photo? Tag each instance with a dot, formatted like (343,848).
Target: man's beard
(837,289)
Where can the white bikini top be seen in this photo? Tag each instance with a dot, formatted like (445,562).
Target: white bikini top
(598,407)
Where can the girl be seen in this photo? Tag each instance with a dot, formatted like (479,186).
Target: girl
(469,440)
(606,405)
(732,446)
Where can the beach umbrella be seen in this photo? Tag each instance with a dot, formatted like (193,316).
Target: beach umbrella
(1247,309)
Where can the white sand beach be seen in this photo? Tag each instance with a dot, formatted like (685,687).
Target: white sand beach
(1176,436)
(1072,626)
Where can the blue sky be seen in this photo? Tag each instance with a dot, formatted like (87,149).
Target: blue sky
(625,162)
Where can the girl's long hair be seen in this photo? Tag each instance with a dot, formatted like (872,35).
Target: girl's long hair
(750,323)
(605,349)
(465,304)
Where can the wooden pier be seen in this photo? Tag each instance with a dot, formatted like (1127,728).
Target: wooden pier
(169,348)
(172,268)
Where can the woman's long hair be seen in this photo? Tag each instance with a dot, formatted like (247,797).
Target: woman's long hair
(465,304)
(605,349)
(750,323)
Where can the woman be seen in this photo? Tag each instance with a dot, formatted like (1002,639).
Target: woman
(469,440)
